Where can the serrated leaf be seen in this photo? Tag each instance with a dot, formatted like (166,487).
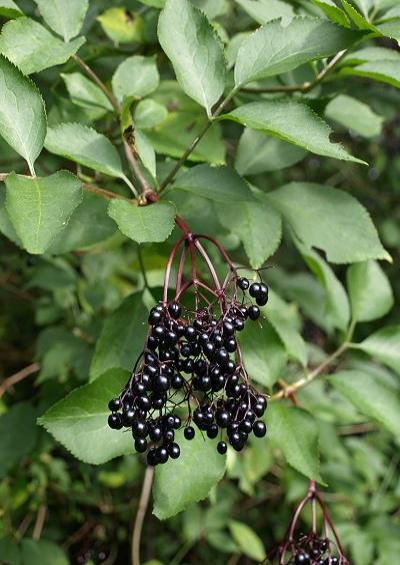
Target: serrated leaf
(86,146)
(79,421)
(32,48)
(263,11)
(65,18)
(88,226)
(122,25)
(6,227)
(381,71)
(346,235)
(247,540)
(332,11)
(217,183)
(273,49)
(354,115)
(40,208)
(9,9)
(20,418)
(259,153)
(337,303)
(370,292)
(384,345)
(265,356)
(143,224)
(193,47)
(293,122)
(136,76)
(295,432)
(22,113)
(188,479)
(358,19)
(122,337)
(369,54)
(86,94)
(258,225)
(372,397)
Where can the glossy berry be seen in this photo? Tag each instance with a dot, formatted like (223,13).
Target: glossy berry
(174,450)
(115,421)
(259,428)
(222,418)
(115,404)
(162,454)
(155,433)
(139,429)
(177,381)
(189,432)
(154,317)
(212,431)
(302,559)
(140,445)
(253,312)
(254,290)
(222,447)
(243,283)
(152,458)
(174,310)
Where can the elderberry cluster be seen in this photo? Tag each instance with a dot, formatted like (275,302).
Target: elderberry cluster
(313,550)
(192,360)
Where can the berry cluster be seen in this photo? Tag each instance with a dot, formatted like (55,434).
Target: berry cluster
(313,550)
(192,360)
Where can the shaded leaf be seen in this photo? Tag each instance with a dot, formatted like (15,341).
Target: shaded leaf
(263,11)
(332,11)
(20,418)
(247,540)
(121,25)
(143,223)
(9,9)
(65,18)
(135,76)
(199,459)
(85,93)
(370,292)
(384,345)
(354,115)
(42,552)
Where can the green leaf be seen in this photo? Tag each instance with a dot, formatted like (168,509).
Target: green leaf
(40,208)
(6,227)
(145,151)
(384,345)
(135,76)
(369,54)
(121,25)
(291,338)
(32,48)
(88,225)
(79,421)
(337,303)
(263,352)
(22,113)
(9,9)
(354,115)
(188,479)
(386,71)
(220,184)
(263,11)
(358,19)
(371,396)
(20,418)
(295,432)
(258,225)
(143,223)
(346,234)
(247,540)
(65,18)
(85,146)
(9,550)
(370,292)
(258,153)
(86,94)
(293,122)
(42,552)
(332,11)
(272,49)
(122,337)
(194,49)
(149,114)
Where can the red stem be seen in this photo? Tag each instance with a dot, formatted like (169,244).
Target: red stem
(169,266)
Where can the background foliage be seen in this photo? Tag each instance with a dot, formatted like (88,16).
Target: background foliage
(297,167)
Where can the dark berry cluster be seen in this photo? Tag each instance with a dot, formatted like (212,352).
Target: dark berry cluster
(192,360)
(313,550)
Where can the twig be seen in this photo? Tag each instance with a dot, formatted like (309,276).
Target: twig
(107,194)
(40,518)
(306,86)
(17,377)
(141,512)
(114,102)
(142,268)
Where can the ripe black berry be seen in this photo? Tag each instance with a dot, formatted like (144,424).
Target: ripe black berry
(115,404)
(115,421)
(174,310)
(222,447)
(243,283)
(140,445)
(212,431)
(174,450)
(302,559)
(222,418)
(162,454)
(139,429)
(253,312)
(259,428)
(189,432)
(254,289)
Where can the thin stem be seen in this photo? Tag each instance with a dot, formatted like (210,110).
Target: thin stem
(17,377)
(39,524)
(113,101)
(306,86)
(170,177)
(142,268)
(130,152)
(141,513)
(107,194)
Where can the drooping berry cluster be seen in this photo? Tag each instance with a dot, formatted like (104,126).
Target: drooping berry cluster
(311,548)
(192,361)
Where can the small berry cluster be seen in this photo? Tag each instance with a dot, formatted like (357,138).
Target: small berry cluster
(311,548)
(192,359)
